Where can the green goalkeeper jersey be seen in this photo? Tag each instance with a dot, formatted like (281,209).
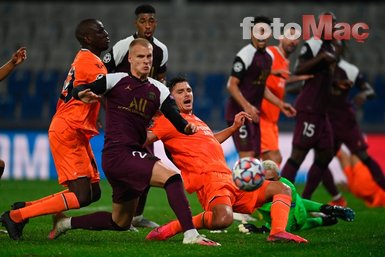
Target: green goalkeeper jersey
(298,215)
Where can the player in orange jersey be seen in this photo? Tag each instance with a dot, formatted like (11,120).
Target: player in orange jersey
(71,129)
(17,57)
(276,83)
(360,181)
(204,170)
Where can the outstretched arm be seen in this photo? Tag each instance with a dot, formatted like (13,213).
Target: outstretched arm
(305,66)
(286,108)
(89,93)
(239,120)
(18,57)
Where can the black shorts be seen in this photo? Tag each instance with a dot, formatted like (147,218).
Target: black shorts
(128,171)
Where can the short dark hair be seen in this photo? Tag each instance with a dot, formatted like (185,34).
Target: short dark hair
(262,19)
(178,79)
(83,28)
(144,8)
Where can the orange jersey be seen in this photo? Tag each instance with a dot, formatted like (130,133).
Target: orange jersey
(86,68)
(192,164)
(362,185)
(276,84)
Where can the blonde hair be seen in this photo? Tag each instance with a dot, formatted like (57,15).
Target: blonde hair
(139,41)
(270,165)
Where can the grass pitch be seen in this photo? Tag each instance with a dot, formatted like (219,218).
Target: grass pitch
(363,237)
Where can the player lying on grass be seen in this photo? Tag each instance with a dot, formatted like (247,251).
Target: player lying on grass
(202,163)
(300,216)
(356,172)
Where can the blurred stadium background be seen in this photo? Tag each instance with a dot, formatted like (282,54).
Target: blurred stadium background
(202,37)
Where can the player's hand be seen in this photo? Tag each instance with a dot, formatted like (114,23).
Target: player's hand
(248,228)
(288,110)
(19,56)
(253,112)
(87,96)
(190,129)
(240,119)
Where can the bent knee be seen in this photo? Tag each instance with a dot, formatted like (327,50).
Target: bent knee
(277,187)
(222,222)
(84,200)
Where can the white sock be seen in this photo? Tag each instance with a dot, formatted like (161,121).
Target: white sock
(191,233)
(67,223)
(137,218)
(335,198)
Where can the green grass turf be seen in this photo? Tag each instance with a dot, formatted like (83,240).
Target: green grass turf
(363,237)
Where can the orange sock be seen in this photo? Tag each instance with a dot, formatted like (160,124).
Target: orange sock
(45,198)
(202,220)
(54,204)
(279,212)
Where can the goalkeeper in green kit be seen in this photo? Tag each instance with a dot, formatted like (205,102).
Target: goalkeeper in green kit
(304,213)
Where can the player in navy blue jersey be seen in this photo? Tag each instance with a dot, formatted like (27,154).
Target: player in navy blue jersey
(116,61)
(131,100)
(247,88)
(312,128)
(346,129)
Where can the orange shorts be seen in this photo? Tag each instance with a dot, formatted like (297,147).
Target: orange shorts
(269,136)
(72,153)
(220,189)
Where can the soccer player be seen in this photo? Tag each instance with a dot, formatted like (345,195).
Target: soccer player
(132,99)
(346,129)
(360,181)
(312,128)
(247,88)
(116,61)
(269,113)
(202,163)
(300,216)
(17,57)
(72,126)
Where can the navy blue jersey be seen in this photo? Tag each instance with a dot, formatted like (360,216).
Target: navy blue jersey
(316,92)
(130,105)
(116,60)
(251,67)
(345,71)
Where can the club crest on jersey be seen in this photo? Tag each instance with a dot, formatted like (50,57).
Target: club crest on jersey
(237,66)
(107,58)
(151,96)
